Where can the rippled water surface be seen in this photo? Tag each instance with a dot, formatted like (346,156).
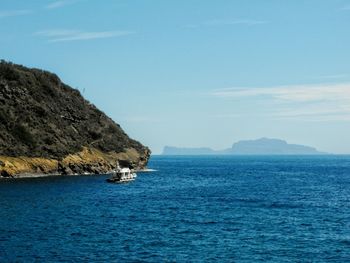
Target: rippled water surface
(192,209)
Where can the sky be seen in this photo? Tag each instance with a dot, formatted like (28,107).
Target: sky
(193,73)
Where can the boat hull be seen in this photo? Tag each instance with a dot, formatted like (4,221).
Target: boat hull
(119,181)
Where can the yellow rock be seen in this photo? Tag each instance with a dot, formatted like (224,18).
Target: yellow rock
(19,166)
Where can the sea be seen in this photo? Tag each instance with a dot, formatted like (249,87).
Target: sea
(191,209)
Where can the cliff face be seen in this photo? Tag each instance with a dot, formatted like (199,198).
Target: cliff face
(48,127)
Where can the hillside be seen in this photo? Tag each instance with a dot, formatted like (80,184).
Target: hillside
(48,127)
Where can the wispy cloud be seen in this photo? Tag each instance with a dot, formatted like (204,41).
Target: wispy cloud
(56,4)
(303,102)
(297,93)
(228,22)
(56,32)
(75,35)
(9,13)
(316,112)
(60,3)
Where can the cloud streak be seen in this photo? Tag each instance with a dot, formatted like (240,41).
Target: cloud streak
(75,35)
(297,93)
(323,102)
(10,13)
(56,4)
(60,3)
(228,22)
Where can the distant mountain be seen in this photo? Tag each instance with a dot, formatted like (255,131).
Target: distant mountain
(270,146)
(263,146)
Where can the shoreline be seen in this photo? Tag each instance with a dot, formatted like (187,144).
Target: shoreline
(30,176)
(87,161)
(43,175)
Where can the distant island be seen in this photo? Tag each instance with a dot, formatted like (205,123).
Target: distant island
(263,146)
(48,128)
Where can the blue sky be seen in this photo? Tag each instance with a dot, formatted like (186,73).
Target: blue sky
(197,72)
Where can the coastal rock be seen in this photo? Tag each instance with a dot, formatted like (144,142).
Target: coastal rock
(47,127)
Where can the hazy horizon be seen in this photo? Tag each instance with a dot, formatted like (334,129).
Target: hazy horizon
(197,73)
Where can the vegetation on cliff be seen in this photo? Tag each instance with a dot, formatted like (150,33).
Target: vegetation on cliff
(41,117)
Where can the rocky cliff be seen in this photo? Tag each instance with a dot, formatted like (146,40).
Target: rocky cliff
(46,127)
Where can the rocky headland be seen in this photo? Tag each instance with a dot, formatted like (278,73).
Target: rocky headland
(48,128)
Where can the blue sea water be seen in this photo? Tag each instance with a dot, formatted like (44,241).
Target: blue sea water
(193,209)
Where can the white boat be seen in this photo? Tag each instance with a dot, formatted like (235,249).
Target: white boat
(122,175)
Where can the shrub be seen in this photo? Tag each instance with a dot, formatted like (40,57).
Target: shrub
(22,134)
(95,135)
(41,112)
(8,73)
(4,118)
